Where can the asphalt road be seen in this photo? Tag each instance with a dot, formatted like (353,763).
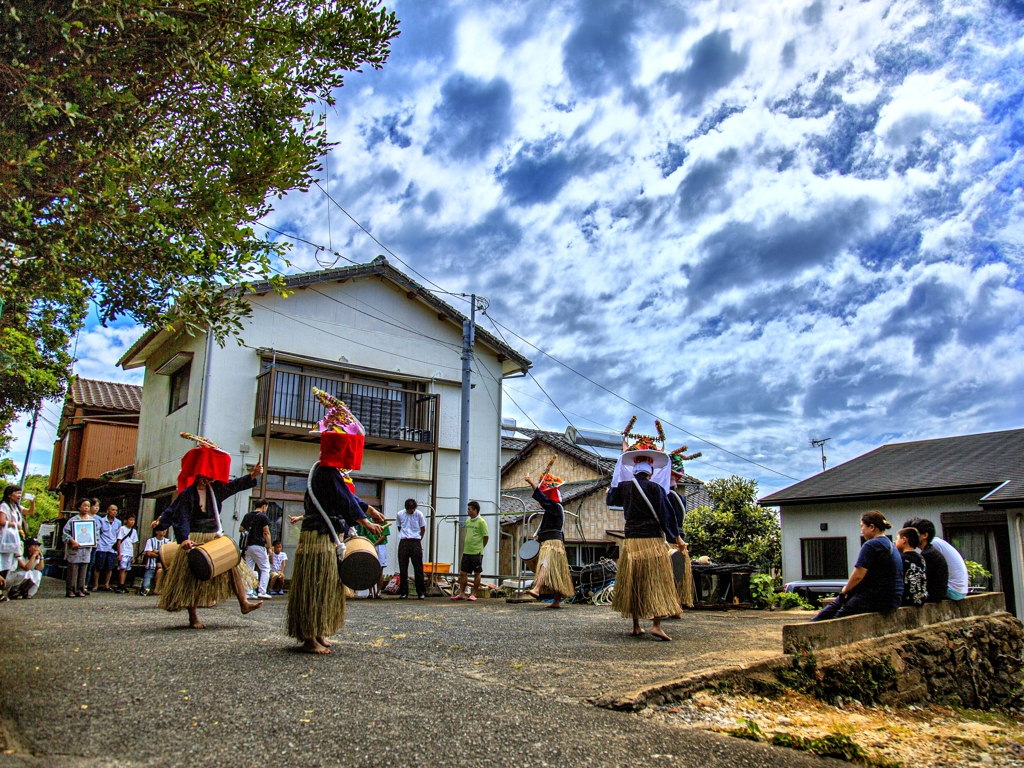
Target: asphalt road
(112,680)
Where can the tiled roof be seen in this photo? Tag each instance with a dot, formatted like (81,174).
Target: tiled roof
(557,441)
(379,266)
(108,395)
(513,443)
(950,464)
(570,492)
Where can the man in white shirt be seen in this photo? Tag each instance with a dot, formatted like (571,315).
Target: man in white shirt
(106,555)
(959,580)
(411,527)
(127,537)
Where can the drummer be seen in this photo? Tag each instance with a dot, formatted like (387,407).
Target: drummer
(316,601)
(553,575)
(644,586)
(203,485)
(677,499)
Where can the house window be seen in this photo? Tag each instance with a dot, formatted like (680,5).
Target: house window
(368,491)
(179,387)
(824,558)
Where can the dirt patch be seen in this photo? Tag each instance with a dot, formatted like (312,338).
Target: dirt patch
(913,736)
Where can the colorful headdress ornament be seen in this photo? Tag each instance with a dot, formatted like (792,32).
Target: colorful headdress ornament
(644,442)
(341,434)
(338,418)
(206,459)
(549,483)
(677,456)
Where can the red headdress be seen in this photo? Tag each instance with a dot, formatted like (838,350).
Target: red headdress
(341,435)
(205,459)
(549,483)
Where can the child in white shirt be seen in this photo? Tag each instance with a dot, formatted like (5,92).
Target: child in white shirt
(127,537)
(278,560)
(23,582)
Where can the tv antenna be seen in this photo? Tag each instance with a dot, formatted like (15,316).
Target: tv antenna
(821,444)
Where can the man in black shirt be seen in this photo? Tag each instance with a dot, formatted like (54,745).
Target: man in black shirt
(936,567)
(256,526)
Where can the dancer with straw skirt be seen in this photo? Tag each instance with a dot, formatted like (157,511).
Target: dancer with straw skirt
(203,485)
(316,601)
(553,577)
(644,587)
(677,498)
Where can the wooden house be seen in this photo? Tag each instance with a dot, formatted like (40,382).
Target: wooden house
(94,452)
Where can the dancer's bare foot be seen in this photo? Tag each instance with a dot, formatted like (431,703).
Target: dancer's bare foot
(534,595)
(555,604)
(312,646)
(659,634)
(193,619)
(636,632)
(250,607)
(323,641)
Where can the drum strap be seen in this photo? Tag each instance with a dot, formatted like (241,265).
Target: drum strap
(646,500)
(316,503)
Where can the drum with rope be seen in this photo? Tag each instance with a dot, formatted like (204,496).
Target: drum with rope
(209,560)
(528,554)
(361,567)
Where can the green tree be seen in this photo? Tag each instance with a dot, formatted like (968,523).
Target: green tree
(47,503)
(139,141)
(734,529)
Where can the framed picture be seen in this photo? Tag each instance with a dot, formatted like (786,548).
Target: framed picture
(84,532)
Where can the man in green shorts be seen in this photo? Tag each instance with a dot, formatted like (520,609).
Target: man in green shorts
(472,552)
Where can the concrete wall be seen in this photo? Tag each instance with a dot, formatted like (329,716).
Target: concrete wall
(331,327)
(843,519)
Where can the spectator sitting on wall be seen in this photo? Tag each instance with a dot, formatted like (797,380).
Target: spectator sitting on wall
(937,569)
(915,578)
(105,560)
(24,580)
(127,538)
(959,578)
(278,560)
(876,584)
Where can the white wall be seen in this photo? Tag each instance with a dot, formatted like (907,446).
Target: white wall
(307,323)
(843,519)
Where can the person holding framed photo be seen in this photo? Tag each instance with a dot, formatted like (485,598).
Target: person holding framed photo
(80,536)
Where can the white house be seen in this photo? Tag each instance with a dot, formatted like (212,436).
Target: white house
(370,335)
(971,487)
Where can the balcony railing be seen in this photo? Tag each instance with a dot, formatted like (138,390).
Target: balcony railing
(394,419)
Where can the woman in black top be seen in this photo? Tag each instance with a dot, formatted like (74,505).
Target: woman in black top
(553,575)
(316,602)
(644,587)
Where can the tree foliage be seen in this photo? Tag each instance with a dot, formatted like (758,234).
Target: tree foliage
(734,529)
(47,503)
(140,140)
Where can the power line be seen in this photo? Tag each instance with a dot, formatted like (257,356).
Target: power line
(630,402)
(378,242)
(498,325)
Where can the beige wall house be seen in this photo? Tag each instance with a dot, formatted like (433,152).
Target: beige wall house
(585,462)
(368,334)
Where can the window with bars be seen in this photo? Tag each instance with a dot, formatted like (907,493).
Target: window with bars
(824,558)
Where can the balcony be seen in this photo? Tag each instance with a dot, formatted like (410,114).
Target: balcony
(395,419)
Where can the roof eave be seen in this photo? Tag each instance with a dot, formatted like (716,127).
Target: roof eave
(770,501)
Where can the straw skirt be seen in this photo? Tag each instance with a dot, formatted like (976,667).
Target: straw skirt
(684,587)
(316,601)
(644,587)
(180,589)
(558,580)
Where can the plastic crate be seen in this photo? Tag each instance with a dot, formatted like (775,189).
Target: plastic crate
(437,568)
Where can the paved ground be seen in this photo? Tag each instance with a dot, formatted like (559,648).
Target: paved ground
(112,680)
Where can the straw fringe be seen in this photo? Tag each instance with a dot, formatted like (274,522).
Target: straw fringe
(180,589)
(644,587)
(558,580)
(316,602)
(684,587)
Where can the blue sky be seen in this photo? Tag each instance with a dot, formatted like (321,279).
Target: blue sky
(766,221)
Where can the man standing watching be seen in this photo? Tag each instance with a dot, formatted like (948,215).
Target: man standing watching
(127,538)
(472,552)
(106,557)
(411,527)
(256,524)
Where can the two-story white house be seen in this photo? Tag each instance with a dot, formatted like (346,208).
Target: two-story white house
(368,334)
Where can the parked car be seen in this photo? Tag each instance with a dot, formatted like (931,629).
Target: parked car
(814,591)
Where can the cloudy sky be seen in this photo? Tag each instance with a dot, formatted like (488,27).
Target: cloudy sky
(766,221)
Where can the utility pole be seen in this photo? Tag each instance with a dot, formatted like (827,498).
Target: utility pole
(821,444)
(468,337)
(31,434)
